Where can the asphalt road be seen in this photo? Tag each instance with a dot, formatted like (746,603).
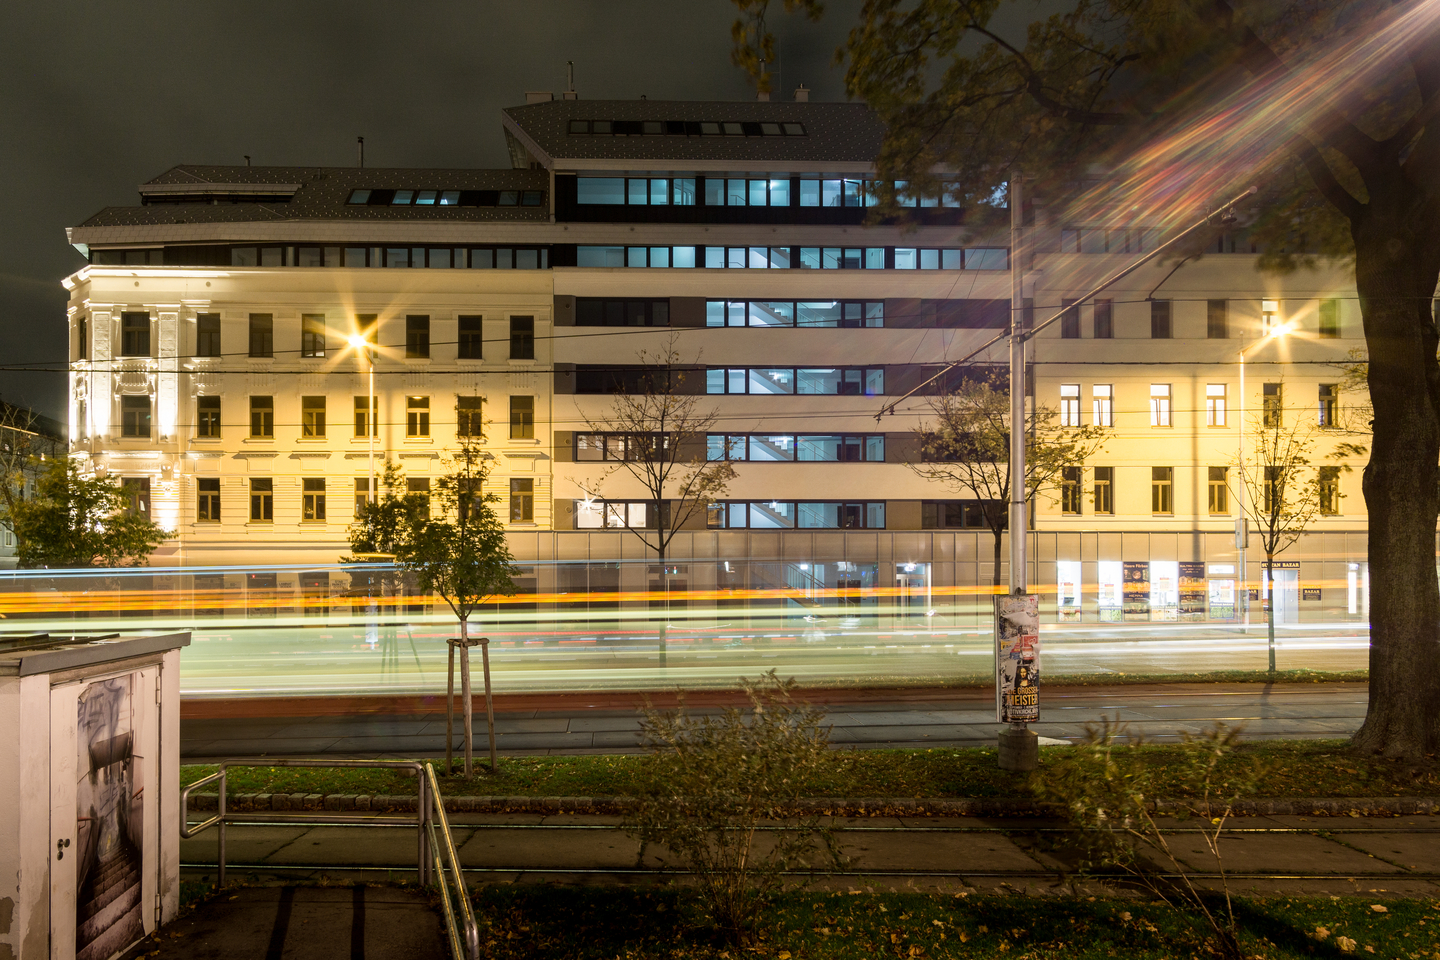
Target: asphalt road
(600,722)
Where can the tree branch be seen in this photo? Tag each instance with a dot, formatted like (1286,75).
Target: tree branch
(1036,88)
(1330,188)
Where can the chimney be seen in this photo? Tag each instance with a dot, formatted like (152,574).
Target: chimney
(763,97)
(570,93)
(538,96)
(802,94)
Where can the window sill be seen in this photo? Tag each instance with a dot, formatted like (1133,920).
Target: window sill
(418,441)
(521,363)
(418,361)
(312,440)
(258,440)
(206,441)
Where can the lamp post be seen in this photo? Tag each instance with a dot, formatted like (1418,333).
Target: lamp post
(362,343)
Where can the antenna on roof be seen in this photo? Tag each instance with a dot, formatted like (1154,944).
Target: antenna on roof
(360,145)
(570,93)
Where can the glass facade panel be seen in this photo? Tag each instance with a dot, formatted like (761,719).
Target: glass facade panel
(765,380)
(600,190)
(764,447)
(764,313)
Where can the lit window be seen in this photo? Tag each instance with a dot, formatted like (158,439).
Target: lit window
(1070,405)
(1103,404)
(1215,405)
(313,506)
(1159,404)
(417,416)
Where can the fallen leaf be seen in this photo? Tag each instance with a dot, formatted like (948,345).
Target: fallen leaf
(784,955)
(1345,944)
(1125,915)
(1321,933)
(1379,908)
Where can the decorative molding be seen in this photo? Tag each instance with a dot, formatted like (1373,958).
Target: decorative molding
(255,455)
(309,456)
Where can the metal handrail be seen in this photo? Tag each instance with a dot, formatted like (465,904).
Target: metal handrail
(466,927)
(421,820)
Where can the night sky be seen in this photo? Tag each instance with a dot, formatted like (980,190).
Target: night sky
(101,96)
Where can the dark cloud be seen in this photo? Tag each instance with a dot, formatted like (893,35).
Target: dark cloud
(101,96)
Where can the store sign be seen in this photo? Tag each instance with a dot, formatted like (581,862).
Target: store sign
(1309,593)
(1017,658)
(1137,589)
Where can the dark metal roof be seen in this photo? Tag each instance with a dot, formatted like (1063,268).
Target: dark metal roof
(322,195)
(835,132)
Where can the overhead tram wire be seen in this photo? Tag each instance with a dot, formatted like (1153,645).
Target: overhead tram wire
(1030,334)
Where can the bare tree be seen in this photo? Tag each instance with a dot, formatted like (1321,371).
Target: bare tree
(655,434)
(1282,495)
(967,448)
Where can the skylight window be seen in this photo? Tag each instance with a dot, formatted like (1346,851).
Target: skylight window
(359,197)
(450,198)
(426,198)
(402,197)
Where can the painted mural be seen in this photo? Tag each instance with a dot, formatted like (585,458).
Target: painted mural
(109,820)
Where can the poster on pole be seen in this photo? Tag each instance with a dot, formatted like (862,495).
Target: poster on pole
(1017,658)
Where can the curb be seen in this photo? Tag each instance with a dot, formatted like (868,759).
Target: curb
(821,806)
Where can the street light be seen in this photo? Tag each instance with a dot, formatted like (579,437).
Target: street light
(1242,524)
(361,343)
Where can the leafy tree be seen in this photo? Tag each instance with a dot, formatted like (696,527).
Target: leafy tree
(660,432)
(967,448)
(23,450)
(463,556)
(79,520)
(1282,495)
(1331,107)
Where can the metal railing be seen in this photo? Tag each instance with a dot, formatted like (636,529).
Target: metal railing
(464,934)
(223,817)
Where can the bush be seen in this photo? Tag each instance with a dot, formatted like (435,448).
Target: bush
(1109,794)
(711,782)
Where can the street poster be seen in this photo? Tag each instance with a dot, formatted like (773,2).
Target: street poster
(1137,589)
(1192,591)
(1017,658)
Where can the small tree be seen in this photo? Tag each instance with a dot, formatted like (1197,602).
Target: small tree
(79,520)
(463,556)
(1282,497)
(659,436)
(23,451)
(967,448)
(711,782)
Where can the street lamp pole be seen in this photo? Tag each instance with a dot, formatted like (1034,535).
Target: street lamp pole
(370,423)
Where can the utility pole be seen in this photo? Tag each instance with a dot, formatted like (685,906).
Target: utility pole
(1017,616)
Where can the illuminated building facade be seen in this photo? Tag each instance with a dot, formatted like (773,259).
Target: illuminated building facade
(212,328)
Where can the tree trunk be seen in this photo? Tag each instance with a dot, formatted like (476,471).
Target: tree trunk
(1395,276)
(450,712)
(998,579)
(489,699)
(1270,606)
(664,585)
(469,706)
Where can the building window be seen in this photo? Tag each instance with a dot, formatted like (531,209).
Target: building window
(1160,320)
(522,338)
(420,487)
(207,417)
(1159,404)
(313,504)
(1217,319)
(770,381)
(362,495)
(1104,319)
(1215,405)
(522,500)
(1272,411)
(262,335)
(367,425)
(134,334)
(312,416)
(1105,491)
(1069,404)
(262,500)
(1070,488)
(769,448)
(207,335)
(1329,492)
(417,416)
(787,514)
(82,338)
(1329,404)
(262,417)
(522,418)
(207,503)
(472,340)
(598,312)
(597,514)
(1329,319)
(1103,404)
(1162,490)
(417,337)
(469,417)
(135,416)
(1269,316)
(1274,490)
(645,447)
(365,324)
(851,314)
(961,514)
(312,335)
(1070,320)
(1219,491)
(136,491)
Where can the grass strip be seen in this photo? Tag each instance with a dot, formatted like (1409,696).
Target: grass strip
(532,922)
(986,681)
(1296,768)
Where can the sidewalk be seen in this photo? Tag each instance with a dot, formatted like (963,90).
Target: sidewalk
(303,923)
(1266,855)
